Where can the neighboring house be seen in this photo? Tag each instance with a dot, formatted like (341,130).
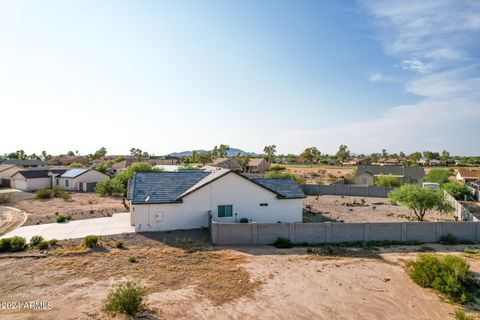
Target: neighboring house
(258,165)
(432,162)
(118,167)
(467,175)
(68,160)
(227,163)
(25,163)
(31,180)
(167,160)
(6,172)
(83,180)
(357,161)
(161,201)
(366,174)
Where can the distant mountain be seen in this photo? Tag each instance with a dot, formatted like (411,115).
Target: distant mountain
(232,152)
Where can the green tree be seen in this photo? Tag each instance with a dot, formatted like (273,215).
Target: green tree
(415,157)
(389,181)
(456,190)
(284,174)
(342,153)
(437,176)
(445,157)
(110,187)
(242,161)
(204,157)
(222,150)
(70,153)
(402,154)
(98,154)
(374,157)
(21,155)
(311,155)
(76,165)
(384,153)
(420,200)
(128,173)
(270,152)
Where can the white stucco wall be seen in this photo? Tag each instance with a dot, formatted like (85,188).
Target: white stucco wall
(19,182)
(87,177)
(231,189)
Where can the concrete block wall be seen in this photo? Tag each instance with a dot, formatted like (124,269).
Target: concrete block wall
(267,233)
(345,190)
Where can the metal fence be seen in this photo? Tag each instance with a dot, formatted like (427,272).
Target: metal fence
(337,232)
(345,190)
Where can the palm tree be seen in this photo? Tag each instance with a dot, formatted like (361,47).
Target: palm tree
(270,152)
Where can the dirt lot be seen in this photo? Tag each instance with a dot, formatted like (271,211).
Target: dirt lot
(321,174)
(80,206)
(360,209)
(224,283)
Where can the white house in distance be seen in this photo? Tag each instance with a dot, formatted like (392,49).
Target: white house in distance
(31,180)
(83,180)
(161,201)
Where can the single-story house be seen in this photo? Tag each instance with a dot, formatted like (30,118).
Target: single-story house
(467,175)
(366,174)
(258,165)
(25,163)
(31,180)
(80,179)
(6,172)
(68,160)
(161,201)
(227,163)
(167,160)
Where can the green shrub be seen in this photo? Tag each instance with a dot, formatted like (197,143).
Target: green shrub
(5,198)
(132,259)
(389,181)
(90,241)
(57,191)
(456,190)
(448,239)
(66,196)
(461,315)
(437,175)
(283,243)
(12,244)
(36,240)
(53,242)
(61,218)
(126,300)
(119,244)
(43,194)
(449,275)
(43,245)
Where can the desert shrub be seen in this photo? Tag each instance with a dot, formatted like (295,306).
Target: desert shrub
(57,191)
(90,241)
(448,239)
(61,218)
(278,168)
(119,244)
(43,245)
(110,187)
(53,242)
(132,259)
(12,244)
(461,315)
(66,196)
(36,240)
(127,300)
(5,198)
(283,243)
(43,194)
(449,275)
(389,181)
(437,175)
(456,190)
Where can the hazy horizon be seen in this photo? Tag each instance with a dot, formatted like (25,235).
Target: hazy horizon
(168,76)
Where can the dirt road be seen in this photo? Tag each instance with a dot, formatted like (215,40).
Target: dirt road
(10,219)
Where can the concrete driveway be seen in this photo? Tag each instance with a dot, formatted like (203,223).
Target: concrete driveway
(116,224)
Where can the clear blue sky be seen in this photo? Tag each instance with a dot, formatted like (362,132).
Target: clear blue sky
(167,76)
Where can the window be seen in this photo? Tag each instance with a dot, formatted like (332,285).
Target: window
(67,183)
(263,204)
(225,211)
(57,181)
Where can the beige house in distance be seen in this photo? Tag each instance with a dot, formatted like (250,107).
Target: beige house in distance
(227,163)
(83,180)
(258,165)
(6,173)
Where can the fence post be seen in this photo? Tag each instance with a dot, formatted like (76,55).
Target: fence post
(328,232)
(438,231)
(254,233)
(366,231)
(291,232)
(404,231)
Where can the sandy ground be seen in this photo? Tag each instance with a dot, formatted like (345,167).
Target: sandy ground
(352,209)
(224,283)
(10,219)
(321,175)
(80,206)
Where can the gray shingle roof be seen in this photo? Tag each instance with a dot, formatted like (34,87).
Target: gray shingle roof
(23,162)
(285,188)
(36,174)
(163,187)
(405,171)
